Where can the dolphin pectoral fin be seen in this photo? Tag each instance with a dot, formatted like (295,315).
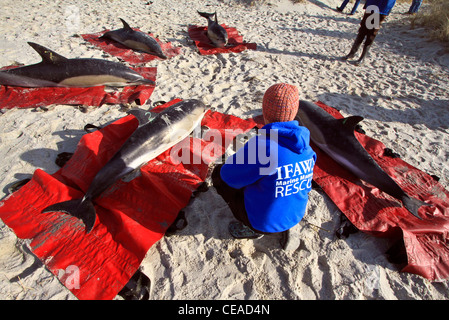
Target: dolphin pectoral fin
(413,205)
(79,208)
(47,55)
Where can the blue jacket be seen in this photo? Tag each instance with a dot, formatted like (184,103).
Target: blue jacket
(384,6)
(275,169)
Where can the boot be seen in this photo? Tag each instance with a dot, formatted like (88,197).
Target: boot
(358,41)
(363,56)
(240,231)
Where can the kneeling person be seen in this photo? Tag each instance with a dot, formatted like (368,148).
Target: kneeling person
(266,183)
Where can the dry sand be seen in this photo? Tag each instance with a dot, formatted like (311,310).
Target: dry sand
(402,91)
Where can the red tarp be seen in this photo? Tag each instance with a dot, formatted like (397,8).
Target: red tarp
(135,58)
(372,211)
(131,216)
(17,97)
(235,41)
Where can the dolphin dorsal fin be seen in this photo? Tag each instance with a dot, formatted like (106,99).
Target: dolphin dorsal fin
(47,55)
(125,25)
(351,122)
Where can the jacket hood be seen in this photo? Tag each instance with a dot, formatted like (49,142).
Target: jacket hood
(290,135)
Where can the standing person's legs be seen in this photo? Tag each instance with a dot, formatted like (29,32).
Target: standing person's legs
(354,8)
(416,4)
(362,33)
(343,5)
(371,35)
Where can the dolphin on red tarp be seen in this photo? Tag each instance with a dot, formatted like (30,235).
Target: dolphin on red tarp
(336,138)
(216,33)
(148,141)
(136,40)
(57,71)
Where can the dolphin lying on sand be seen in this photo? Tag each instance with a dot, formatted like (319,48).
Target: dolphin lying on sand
(216,33)
(148,141)
(135,40)
(57,71)
(336,138)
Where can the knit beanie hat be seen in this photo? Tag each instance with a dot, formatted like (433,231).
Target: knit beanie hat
(280,103)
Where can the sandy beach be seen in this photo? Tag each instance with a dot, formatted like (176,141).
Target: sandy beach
(402,92)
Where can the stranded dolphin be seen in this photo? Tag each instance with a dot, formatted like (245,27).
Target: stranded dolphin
(135,40)
(336,138)
(57,71)
(216,33)
(148,141)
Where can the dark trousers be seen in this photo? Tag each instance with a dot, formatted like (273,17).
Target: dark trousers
(367,31)
(233,197)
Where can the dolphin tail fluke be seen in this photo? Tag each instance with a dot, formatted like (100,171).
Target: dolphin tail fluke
(206,15)
(413,205)
(81,208)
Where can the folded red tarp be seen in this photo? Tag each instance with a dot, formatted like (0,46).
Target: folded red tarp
(17,97)
(129,55)
(235,41)
(375,212)
(131,216)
